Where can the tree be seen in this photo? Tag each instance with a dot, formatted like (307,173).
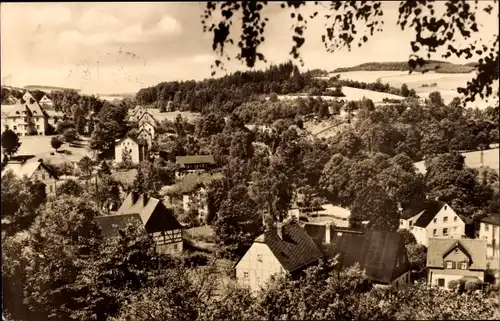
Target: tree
(126,159)
(343,22)
(86,166)
(238,221)
(405,92)
(70,187)
(10,142)
(63,236)
(374,205)
(70,135)
(436,99)
(21,199)
(56,142)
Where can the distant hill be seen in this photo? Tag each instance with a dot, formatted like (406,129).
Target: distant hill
(48,88)
(431,65)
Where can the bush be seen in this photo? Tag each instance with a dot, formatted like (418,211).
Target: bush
(453,285)
(472,285)
(197,259)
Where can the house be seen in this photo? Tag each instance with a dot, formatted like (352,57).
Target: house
(158,221)
(34,170)
(453,259)
(148,127)
(287,248)
(145,117)
(136,113)
(27,97)
(433,219)
(381,254)
(193,164)
(145,136)
(136,149)
(26,118)
(488,228)
(46,101)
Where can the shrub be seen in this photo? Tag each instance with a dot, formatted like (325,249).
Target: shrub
(472,285)
(453,285)
(197,259)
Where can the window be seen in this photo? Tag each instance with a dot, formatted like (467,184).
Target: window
(434,232)
(440,282)
(175,247)
(445,207)
(445,231)
(15,127)
(445,219)
(486,227)
(50,188)
(455,219)
(37,126)
(259,257)
(463,265)
(449,264)
(411,223)
(43,176)
(401,222)
(245,275)
(435,220)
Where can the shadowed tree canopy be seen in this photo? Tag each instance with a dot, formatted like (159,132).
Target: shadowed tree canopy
(353,23)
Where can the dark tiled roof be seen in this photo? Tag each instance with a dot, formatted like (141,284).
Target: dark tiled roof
(431,209)
(194,159)
(111,224)
(375,251)
(295,250)
(475,248)
(491,219)
(317,232)
(153,213)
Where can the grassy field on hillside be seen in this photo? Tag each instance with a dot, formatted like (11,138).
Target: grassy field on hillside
(432,65)
(447,84)
(39,147)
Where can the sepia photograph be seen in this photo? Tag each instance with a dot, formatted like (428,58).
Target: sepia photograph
(250,160)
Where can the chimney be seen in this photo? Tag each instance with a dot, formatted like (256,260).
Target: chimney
(328,233)
(145,198)
(279,229)
(135,196)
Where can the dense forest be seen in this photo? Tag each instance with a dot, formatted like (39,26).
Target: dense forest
(430,65)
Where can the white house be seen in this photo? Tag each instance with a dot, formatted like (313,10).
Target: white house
(148,127)
(136,149)
(488,228)
(27,96)
(288,248)
(34,170)
(46,101)
(436,219)
(146,117)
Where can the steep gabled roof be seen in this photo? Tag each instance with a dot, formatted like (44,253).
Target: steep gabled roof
(491,219)
(194,159)
(144,113)
(111,224)
(431,209)
(375,251)
(28,168)
(153,213)
(474,248)
(295,250)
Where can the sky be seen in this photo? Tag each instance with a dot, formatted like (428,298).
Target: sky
(122,47)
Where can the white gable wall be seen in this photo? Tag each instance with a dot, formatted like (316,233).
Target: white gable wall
(127,143)
(446,224)
(252,272)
